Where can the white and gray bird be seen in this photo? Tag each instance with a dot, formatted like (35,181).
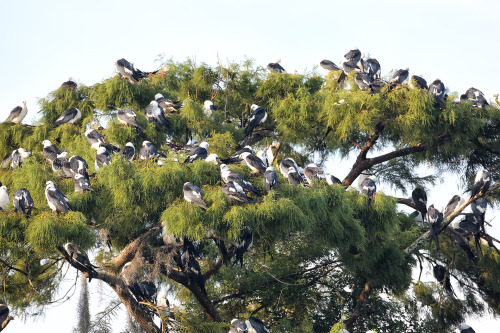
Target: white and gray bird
(353,55)
(162,303)
(18,113)
(454,202)
(495,102)
(479,210)
(481,184)
(166,104)
(192,194)
(82,183)
(235,192)
(155,114)
(260,154)
(128,151)
(256,325)
(434,217)
(15,158)
(129,118)
(270,179)
(312,171)
(371,67)
(208,108)
(58,163)
(329,65)
(399,76)
(69,116)
(228,175)
(258,116)
(254,162)
(236,157)
(271,152)
(69,84)
(285,166)
(419,198)
(95,138)
(464,328)
(147,151)
(364,81)
(437,90)
(475,96)
(238,326)
(294,177)
(101,158)
(128,70)
(4,198)
(417,81)
(275,67)
(56,200)
(74,162)
(80,260)
(50,151)
(200,152)
(23,202)
(331,179)
(366,185)
(213,158)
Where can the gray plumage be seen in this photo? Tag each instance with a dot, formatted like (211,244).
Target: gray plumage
(329,65)
(331,179)
(74,162)
(23,202)
(476,97)
(15,158)
(56,200)
(18,113)
(228,175)
(349,66)
(245,243)
(69,116)
(353,55)
(285,166)
(258,116)
(238,326)
(464,328)
(200,152)
(208,108)
(371,67)
(479,210)
(128,151)
(70,84)
(129,118)
(454,202)
(312,171)
(419,198)
(58,163)
(270,179)
(275,67)
(399,76)
(4,313)
(418,82)
(80,260)
(128,70)
(94,138)
(50,151)
(481,184)
(235,192)
(192,194)
(294,177)
(364,81)
(368,187)
(437,90)
(101,158)
(434,217)
(256,325)
(253,162)
(147,151)
(166,104)
(155,114)
(82,183)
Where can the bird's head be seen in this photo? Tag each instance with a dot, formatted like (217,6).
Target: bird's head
(145,143)
(4,188)
(46,143)
(24,152)
(214,158)
(223,167)
(101,150)
(64,154)
(154,103)
(254,107)
(158,96)
(130,144)
(49,184)
(270,168)
(204,144)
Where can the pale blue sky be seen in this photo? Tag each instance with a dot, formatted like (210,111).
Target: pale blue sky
(45,42)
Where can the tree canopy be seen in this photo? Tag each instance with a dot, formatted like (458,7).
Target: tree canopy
(322,257)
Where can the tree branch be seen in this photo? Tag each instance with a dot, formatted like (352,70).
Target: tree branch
(359,307)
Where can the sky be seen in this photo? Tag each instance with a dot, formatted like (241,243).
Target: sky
(45,42)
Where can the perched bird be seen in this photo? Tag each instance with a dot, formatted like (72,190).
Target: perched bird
(238,326)
(147,151)
(82,183)
(200,152)
(312,171)
(253,162)
(419,198)
(236,157)
(15,158)
(294,177)
(163,306)
(128,151)
(256,325)
(229,175)
(494,101)
(69,116)
(18,113)
(285,166)
(349,65)
(166,104)
(434,217)
(464,225)
(208,108)
(4,198)
(481,184)
(371,67)
(377,85)
(439,272)
(129,118)
(454,202)
(56,199)
(478,207)
(70,84)
(192,194)
(213,158)
(270,179)
(57,164)
(260,154)
(4,313)
(367,186)
(128,70)
(155,114)
(245,242)
(476,96)
(258,116)
(399,76)
(94,138)
(464,328)
(353,55)
(331,179)
(80,260)
(275,67)
(418,81)
(74,162)
(437,90)
(23,202)
(142,291)
(364,81)
(50,151)
(235,192)
(271,152)
(329,65)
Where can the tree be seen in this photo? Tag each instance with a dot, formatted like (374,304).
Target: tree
(322,257)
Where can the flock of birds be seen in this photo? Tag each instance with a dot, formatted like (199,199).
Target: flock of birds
(236,187)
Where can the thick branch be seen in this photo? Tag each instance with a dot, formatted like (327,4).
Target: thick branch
(359,307)
(128,253)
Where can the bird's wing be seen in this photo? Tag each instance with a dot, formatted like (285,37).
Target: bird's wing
(14,113)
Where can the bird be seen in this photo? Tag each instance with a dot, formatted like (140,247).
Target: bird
(349,65)
(476,96)
(70,84)
(312,171)
(294,177)
(164,307)
(82,183)
(57,164)
(238,326)
(270,179)
(192,194)
(377,85)
(329,65)
(364,81)
(442,277)
(15,158)
(494,101)
(235,192)
(367,186)
(128,151)
(464,328)
(200,152)
(208,108)
(142,291)
(80,260)
(74,162)
(275,67)
(253,162)
(256,325)
(419,198)
(4,198)
(418,81)
(56,199)
(128,70)
(23,202)
(481,184)
(166,104)
(155,114)
(331,179)
(147,150)
(94,138)
(129,118)
(69,116)
(437,90)
(236,157)
(371,67)
(50,151)
(465,224)
(399,76)
(353,55)
(18,113)
(258,116)
(478,207)
(245,242)
(4,313)
(285,166)
(434,217)
(454,202)
(228,175)
(213,158)
(260,154)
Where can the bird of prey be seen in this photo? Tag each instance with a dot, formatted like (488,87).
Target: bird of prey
(285,166)
(70,84)
(74,162)
(312,171)
(235,192)
(495,102)
(192,194)
(56,199)
(82,183)
(258,116)
(236,157)
(128,151)
(4,198)
(166,104)
(419,198)
(50,151)
(434,217)
(464,328)
(437,90)
(147,151)
(399,76)
(154,113)
(228,175)
(353,55)
(238,326)
(58,163)
(256,325)
(294,177)
(481,184)
(253,162)
(454,202)
(129,118)
(200,152)
(439,272)
(418,81)
(371,67)
(245,242)
(23,202)
(476,96)
(95,138)
(275,67)
(270,179)
(18,113)
(329,65)
(367,186)
(213,158)
(142,291)
(467,225)
(15,158)
(129,71)
(69,116)
(208,108)
(331,179)
(349,65)
(478,207)
(260,154)
(80,260)
(364,81)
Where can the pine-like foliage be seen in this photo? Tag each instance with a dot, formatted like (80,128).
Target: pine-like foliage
(322,256)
